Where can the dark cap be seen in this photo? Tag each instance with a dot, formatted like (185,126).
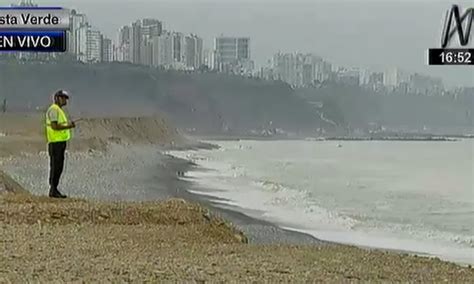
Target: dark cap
(61,93)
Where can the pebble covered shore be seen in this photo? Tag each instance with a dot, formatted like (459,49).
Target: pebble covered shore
(48,241)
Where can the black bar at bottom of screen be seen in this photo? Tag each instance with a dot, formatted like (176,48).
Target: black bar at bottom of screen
(450,56)
(33,41)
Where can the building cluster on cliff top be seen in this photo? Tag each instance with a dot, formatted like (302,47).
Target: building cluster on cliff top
(146,42)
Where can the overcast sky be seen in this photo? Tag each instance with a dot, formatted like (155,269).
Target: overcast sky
(368,34)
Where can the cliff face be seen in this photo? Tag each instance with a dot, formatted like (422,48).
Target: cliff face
(209,103)
(205,103)
(25,133)
(358,108)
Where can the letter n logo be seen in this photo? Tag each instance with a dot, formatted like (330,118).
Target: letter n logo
(459,21)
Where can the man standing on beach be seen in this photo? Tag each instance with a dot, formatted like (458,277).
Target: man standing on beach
(58,132)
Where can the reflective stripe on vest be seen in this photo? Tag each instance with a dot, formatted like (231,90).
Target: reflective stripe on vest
(57,135)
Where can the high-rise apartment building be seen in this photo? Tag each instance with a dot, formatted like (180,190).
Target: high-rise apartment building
(135,42)
(231,53)
(107,50)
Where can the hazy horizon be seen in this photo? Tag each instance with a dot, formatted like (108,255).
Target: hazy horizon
(376,35)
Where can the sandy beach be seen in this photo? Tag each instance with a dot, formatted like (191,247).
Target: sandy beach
(131,219)
(77,240)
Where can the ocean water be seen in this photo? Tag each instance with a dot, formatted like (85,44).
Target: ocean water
(413,196)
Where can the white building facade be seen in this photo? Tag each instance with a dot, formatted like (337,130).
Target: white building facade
(232,54)
(299,69)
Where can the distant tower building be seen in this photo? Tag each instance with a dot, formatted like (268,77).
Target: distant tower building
(231,53)
(124,35)
(163,50)
(307,78)
(190,52)
(107,50)
(349,76)
(178,47)
(76,21)
(155,49)
(123,44)
(135,42)
(89,45)
(193,51)
(376,81)
(146,52)
(81,42)
(426,85)
(286,67)
(207,58)
(150,29)
(94,46)
(299,69)
(199,52)
(393,77)
(364,77)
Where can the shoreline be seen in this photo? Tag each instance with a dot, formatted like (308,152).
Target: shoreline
(294,230)
(153,176)
(267,242)
(339,138)
(257,231)
(162,180)
(160,175)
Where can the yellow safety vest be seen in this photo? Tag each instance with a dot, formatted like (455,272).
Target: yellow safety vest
(57,135)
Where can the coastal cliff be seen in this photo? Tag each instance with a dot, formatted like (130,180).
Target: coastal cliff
(204,103)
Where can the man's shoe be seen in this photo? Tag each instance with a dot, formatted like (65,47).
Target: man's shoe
(54,193)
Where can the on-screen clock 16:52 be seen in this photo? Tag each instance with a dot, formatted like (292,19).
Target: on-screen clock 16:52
(450,56)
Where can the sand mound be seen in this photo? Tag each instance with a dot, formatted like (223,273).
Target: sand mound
(25,133)
(130,130)
(18,209)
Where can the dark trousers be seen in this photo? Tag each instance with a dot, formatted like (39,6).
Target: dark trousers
(56,163)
